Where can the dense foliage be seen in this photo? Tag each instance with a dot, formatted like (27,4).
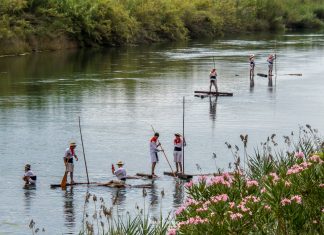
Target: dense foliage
(281,193)
(27,25)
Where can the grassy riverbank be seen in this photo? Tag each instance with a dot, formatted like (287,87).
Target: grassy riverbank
(32,25)
(272,191)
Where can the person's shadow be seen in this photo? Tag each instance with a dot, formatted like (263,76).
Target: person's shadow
(212,107)
(29,193)
(68,209)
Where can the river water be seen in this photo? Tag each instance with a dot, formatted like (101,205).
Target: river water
(119,93)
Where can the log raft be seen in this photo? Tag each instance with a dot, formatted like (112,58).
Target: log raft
(213,93)
(179,175)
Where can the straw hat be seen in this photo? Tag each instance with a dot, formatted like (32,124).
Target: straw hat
(27,166)
(252,55)
(120,163)
(177,134)
(72,144)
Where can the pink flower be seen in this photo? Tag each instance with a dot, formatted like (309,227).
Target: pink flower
(236,216)
(275,177)
(232,204)
(251,183)
(285,201)
(267,207)
(323,210)
(299,155)
(189,184)
(287,183)
(180,210)
(263,190)
(218,198)
(202,178)
(297,199)
(321,185)
(316,158)
(172,231)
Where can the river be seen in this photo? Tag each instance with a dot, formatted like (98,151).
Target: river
(118,94)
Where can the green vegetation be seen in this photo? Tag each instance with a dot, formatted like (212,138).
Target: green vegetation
(275,192)
(27,25)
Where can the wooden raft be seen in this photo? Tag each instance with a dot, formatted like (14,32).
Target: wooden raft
(59,185)
(112,185)
(213,93)
(179,175)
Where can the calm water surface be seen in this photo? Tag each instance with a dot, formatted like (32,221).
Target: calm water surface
(119,94)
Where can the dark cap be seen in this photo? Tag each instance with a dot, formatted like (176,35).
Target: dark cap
(156,134)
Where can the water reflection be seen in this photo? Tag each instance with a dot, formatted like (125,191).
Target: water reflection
(179,193)
(252,83)
(68,209)
(212,107)
(29,193)
(153,196)
(119,197)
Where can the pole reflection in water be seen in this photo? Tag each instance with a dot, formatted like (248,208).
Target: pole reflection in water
(69,212)
(178,195)
(212,107)
(29,193)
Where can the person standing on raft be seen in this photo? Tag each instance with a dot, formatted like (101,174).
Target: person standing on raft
(270,60)
(29,176)
(252,65)
(68,159)
(153,151)
(213,79)
(179,143)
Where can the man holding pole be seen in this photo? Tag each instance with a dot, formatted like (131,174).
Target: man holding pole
(153,151)
(68,159)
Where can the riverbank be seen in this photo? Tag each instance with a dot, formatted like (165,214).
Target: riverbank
(28,26)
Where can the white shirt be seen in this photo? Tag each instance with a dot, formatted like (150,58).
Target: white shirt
(120,173)
(29,173)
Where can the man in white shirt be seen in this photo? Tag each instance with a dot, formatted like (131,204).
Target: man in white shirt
(29,176)
(120,173)
(154,144)
(68,159)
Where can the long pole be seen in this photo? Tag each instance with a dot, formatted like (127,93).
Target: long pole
(84,157)
(164,154)
(183,138)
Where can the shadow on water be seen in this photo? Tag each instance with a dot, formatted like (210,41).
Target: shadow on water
(212,107)
(69,211)
(252,84)
(178,193)
(30,194)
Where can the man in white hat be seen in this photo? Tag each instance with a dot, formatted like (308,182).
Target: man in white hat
(29,176)
(68,159)
(120,173)
(179,143)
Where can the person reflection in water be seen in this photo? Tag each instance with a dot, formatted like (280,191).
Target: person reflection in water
(252,66)
(212,107)
(69,212)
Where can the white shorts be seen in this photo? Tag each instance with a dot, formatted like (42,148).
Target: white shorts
(270,66)
(69,167)
(177,156)
(154,157)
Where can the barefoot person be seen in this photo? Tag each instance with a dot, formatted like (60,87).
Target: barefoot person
(252,65)
(29,176)
(153,151)
(68,159)
(270,60)
(213,79)
(179,143)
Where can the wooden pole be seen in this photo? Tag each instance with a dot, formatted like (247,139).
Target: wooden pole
(183,138)
(164,154)
(84,157)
